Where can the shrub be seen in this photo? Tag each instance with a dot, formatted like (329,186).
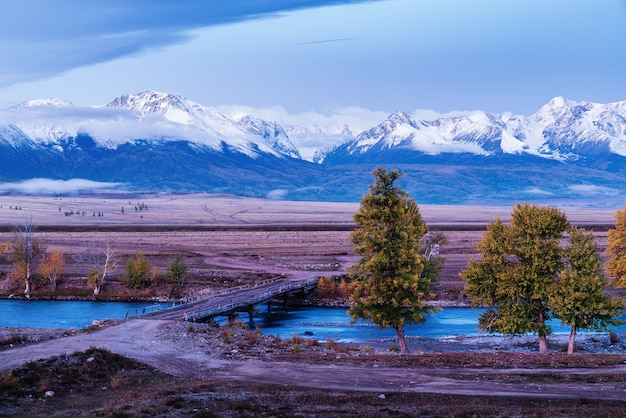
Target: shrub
(346,288)
(326,288)
(177,270)
(139,272)
(332,344)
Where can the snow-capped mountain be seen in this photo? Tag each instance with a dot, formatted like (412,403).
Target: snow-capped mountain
(161,141)
(273,134)
(561,130)
(212,128)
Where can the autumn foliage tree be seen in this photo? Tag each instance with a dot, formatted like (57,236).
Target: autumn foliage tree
(525,275)
(518,266)
(616,264)
(139,272)
(391,290)
(577,297)
(51,267)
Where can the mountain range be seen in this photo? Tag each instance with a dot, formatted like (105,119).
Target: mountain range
(567,152)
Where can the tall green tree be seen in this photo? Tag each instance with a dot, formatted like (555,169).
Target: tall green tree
(616,264)
(577,297)
(519,263)
(391,290)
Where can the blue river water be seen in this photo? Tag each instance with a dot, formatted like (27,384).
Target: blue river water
(59,314)
(319,323)
(334,323)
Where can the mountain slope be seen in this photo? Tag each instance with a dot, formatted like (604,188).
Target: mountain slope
(578,133)
(565,151)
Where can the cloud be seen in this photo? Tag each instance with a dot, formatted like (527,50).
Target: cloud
(277,194)
(325,41)
(357,118)
(593,190)
(40,38)
(332,124)
(109,126)
(46,186)
(538,191)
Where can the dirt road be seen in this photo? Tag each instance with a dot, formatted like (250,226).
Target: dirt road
(145,340)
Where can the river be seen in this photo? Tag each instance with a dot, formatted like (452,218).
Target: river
(319,323)
(59,313)
(334,323)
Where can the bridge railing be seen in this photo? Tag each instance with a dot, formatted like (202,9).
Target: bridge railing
(205,296)
(241,302)
(137,312)
(152,308)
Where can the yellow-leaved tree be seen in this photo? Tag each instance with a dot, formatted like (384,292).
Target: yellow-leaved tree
(616,264)
(51,267)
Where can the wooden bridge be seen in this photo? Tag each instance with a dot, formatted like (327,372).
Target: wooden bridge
(242,298)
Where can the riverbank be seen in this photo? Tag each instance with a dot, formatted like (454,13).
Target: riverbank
(203,368)
(196,336)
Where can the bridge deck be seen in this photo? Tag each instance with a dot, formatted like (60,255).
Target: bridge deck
(222,303)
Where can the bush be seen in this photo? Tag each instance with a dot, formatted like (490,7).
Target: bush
(139,272)
(177,270)
(326,288)
(346,288)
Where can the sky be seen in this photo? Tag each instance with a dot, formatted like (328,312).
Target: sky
(305,59)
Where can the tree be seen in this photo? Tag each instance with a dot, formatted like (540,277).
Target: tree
(102,260)
(391,290)
(616,264)
(52,266)
(139,272)
(177,270)
(519,262)
(577,298)
(25,251)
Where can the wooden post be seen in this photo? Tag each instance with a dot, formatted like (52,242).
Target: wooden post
(250,313)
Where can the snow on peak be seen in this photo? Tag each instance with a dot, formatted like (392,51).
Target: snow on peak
(173,107)
(273,134)
(51,102)
(207,126)
(556,108)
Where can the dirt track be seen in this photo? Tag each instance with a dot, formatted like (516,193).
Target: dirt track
(178,355)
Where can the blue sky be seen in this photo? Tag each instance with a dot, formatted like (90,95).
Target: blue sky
(303,57)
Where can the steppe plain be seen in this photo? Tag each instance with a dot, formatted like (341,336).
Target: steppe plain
(203,371)
(229,240)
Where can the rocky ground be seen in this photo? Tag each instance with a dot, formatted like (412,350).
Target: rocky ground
(153,368)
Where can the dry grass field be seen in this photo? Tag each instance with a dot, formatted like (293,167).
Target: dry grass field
(230,240)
